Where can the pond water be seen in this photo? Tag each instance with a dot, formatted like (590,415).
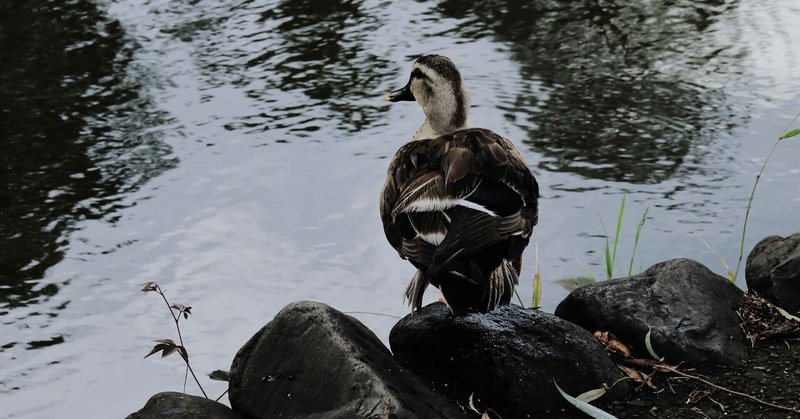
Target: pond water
(233,152)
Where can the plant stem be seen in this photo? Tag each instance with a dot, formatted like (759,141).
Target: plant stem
(750,204)
(176,319)
(519,298)
(616,233)
(195,378)
(220,396)
(753,193)
(636,238)
(185,378)
(373,313)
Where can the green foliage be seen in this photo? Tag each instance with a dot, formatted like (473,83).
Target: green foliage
(790,134)
(787,134)
(610,251)
(536,297)
(636,238)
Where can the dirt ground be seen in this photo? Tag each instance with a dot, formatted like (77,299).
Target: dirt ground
(770,372)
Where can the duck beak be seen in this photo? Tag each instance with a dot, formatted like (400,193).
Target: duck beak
(400,94)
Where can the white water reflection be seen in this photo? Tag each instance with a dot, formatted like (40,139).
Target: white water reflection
(275,196)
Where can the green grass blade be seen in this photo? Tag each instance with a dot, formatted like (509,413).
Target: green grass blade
(521,304)
(730,275)
(373,313)
(583,406)
(636,238)
(607,252)
(619,227)
(536,298)
(790,134)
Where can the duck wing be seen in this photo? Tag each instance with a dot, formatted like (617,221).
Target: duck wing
(451,196)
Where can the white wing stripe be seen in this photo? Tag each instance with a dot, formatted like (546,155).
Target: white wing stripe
(429,204)
(477,207)
(432,238)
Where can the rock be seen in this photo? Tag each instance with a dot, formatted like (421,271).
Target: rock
(691,311)
(313,361)
(773,271)
(171,405)
(508,358)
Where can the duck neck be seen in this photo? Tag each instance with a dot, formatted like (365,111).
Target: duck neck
(445,114)
(436,127)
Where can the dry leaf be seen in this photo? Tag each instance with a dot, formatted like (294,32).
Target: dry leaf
(149,286)
(610,342)
(166,346)
(182,309)
(184,353)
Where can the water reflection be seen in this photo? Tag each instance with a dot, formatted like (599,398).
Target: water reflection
(325,54)
(626,99)
(74,135)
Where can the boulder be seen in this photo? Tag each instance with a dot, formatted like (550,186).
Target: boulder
(171,405)
(508,358)
(773,271)
(313,361)
(690,310)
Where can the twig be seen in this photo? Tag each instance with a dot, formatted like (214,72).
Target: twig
(720,405)
(372,313)
(176,319)
(667,368)
(220,396)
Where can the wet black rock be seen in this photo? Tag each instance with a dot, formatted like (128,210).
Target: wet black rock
(773,271)
(170,405)
(313,361)
(508,358)
(691,311)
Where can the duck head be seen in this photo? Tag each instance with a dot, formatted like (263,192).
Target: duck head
(437,86)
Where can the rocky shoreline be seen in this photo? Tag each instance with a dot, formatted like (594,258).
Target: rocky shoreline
(312,361)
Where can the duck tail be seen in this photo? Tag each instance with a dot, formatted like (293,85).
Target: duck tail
(416,289)
(502,282)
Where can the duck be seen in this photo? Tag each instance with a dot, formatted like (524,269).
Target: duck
(459,202)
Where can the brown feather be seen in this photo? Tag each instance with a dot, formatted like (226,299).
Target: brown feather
(444,171)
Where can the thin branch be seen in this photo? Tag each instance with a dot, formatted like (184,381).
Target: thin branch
(195,378)
(220,396)
(667,368)
(176,319)
(372,313)
(185,378)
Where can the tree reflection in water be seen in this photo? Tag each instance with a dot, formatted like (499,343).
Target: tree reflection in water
(624,102)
